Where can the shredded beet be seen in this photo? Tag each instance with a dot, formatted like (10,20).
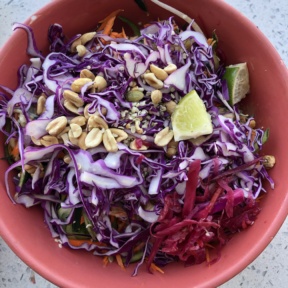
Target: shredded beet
(191,185)
(189,235)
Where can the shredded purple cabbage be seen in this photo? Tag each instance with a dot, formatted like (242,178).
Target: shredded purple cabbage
(131,198)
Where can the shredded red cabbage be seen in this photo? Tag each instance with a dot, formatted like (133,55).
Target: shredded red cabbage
(136,202)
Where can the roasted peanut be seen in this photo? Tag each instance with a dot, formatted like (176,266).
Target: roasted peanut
(252,123)
(41,104)
(96,121)
(80,120)
(56,126)
(120,134)
(170,68)
(156,96)
(36,141)
(109,141)
(94,138)
(76,130)
(49,140)
(171,148)
(77,84)
(85,73)
(71,107)
(138,129)
(75,44)
(81,50)
(163,137)
(66,130)
(81,141)
(170,106)
(158,72)
(87,37)
(154,82)
(67,159)
(64,138)
(72,139)
(30,169)
(99,83)
(73,97)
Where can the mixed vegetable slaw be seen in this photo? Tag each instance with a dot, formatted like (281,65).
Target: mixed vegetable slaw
(82,129)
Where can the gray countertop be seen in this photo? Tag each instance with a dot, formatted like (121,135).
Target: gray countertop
(270,269)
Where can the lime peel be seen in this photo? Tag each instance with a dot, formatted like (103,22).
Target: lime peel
(237,78)
(190,118)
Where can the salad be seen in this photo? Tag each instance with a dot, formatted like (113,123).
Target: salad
(135,146)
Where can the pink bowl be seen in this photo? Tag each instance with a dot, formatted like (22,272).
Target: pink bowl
(24,230)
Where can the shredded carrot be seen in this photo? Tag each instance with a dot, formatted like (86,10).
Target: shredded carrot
(108,22)
(113,14)
(121,34)
(259,198)
(117,35)
(79,242)
(114,35)
(207,255)
(156,268)
(108,26)
(15,151)
(211,41)
(119,261)
(138,247)
(82,220)
(105,261)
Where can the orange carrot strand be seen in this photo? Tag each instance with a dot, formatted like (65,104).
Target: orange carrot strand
(119,261)
(15,151)
(106,19)
(156,268)
(105,261)
(109,25)
(79,242)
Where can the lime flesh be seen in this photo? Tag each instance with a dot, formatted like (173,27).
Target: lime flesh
(190,118)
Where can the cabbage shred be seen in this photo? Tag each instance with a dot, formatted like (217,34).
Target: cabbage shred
(139,204)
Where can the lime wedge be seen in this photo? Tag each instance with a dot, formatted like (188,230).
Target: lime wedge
(237,77)
(190,118)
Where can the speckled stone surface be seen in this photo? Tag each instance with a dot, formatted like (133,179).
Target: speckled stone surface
(270,269)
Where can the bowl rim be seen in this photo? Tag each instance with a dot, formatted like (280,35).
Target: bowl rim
(45,270)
